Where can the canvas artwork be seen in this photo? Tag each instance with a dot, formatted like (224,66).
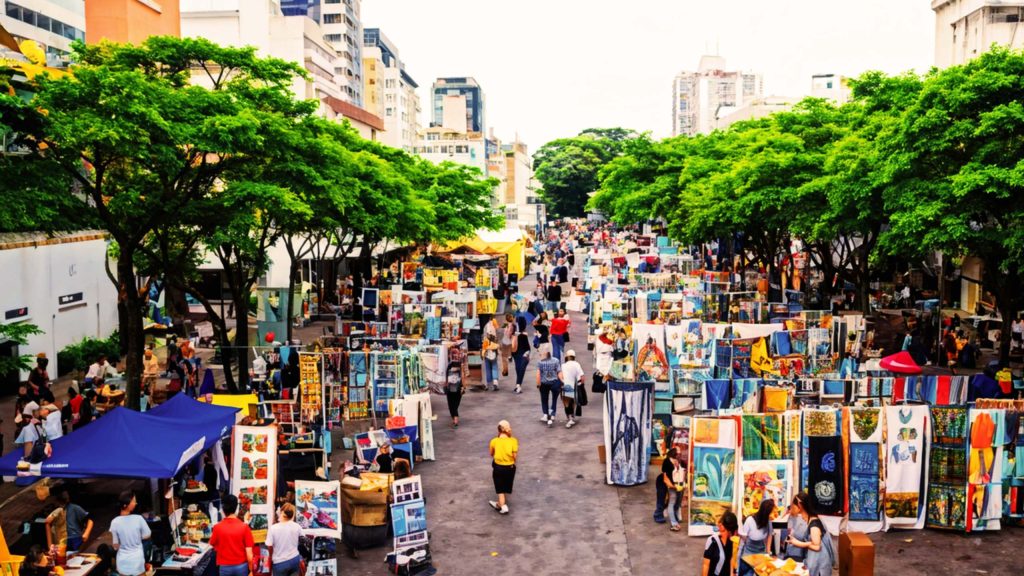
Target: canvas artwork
(254,476)
(649,346)
(904,462)
(762,437)
(627,431)
(318,509)
(683,344)
(713,472)
(688,382)
(947,507)
(985,469)
(864,481)
(767,479)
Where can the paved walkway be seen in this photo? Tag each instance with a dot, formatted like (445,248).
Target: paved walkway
(564,518)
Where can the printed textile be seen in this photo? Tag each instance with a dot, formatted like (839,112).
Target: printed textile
(627,431)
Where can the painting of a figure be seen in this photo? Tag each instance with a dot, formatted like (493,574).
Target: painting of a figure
(627,431)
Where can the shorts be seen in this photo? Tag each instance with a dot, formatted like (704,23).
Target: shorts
(504,477)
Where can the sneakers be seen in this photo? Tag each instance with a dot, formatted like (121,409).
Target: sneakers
(494,388)
(570,423)
(504,509)
(551,420)
(544,418)
(494,504)
(518,389)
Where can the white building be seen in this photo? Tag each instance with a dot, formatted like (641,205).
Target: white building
(756,108)
(966,28)
(440,144)
(59,284)
(520,191)
(295,38)
(343,28)
(389,92)
(698,96)
(832,87)
(54,24)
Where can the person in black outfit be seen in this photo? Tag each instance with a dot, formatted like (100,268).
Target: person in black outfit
(718,547)
(36,563)
(453,391)
(290,374)
(554,295)
(520,353)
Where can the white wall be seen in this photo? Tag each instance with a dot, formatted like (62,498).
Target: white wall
(38,276)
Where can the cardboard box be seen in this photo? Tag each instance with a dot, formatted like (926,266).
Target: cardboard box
(601,453)
(856,554)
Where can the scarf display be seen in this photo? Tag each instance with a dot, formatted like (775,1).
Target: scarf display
(627,431)
(905,461)
(985,469)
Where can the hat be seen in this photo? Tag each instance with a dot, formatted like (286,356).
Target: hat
(570,353)
(41,355)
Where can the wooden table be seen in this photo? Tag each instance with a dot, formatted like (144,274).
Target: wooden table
(90,562)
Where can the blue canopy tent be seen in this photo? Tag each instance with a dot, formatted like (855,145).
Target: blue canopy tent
(128,444)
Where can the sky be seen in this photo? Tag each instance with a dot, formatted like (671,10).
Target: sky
(551,68)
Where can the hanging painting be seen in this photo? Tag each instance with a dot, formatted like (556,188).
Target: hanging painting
(825,473)
(865,466)
(767,479)
(649,344)
(627,431)
(905,463)
(713,473)
(254,476)
(318,509)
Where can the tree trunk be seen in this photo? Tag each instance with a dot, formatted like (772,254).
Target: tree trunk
(131,328)
(241,298)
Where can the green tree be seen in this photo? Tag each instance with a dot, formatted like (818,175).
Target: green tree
(17,333)
(142,142)
(568,167)
(955,179)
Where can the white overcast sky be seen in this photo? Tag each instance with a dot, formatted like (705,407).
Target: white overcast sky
(550,68)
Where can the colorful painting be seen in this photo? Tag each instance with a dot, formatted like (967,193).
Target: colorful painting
(627,431)
(864,481)
(865,423)
(904,463)
(947,507)
(254,443)
(714,473)
(767,479)
(825,473)
(651,361)
(254,476)
(318,509)
(762,437)
(706,431)
(820,423)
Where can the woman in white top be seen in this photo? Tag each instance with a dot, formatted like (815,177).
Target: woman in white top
(603,347)
(572,376)
(128,531)
(283,542)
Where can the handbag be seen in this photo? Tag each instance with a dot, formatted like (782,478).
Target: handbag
(581,398)
(536,341)
(598,386)
(566,337)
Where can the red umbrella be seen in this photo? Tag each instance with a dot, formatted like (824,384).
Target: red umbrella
(900,363)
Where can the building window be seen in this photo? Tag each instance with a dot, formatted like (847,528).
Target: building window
(389,111)
(332,18)
(332,37)
(35,19)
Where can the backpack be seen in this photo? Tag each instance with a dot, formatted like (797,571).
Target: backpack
(38,453)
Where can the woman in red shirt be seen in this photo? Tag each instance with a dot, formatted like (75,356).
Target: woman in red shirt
(559,329)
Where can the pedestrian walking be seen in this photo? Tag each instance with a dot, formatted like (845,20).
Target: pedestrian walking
(231,540)
(129,531)
(520,353)
(821,554)
(755,535)
(504,453)
(560,325)
(549,381)
(540,329)
(283,543)
(718,548)
(572,377)
(491,350)
(453,391)
(508,333)
(554,295)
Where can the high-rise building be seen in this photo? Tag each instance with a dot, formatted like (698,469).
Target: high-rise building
(966,28)
(522,205)
(389,91)
(698,97)
(343,29)
(295,38)
(472,97)
(53,24)
(131,21)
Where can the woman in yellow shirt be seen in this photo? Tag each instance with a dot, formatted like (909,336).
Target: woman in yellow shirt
(504,450)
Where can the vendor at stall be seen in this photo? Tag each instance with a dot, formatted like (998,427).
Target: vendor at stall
(100,370)
(129,530)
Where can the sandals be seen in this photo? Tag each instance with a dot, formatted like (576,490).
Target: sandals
(675,528)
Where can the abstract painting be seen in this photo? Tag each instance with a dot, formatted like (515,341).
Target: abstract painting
(864,481)
(865,424)
(947,507)
(762,437)
(627,431)
(767,479)
(712,473)
(318,509)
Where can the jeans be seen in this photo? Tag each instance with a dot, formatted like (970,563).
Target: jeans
(286,568)
(74,544)
(674,506)
(490,373)
(521,360)
(454,399)
(234,570)
(552,306)
(557,344)
(663,496)
(552,391)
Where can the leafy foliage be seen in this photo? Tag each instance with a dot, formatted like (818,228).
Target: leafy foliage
(18,333)
(568,167)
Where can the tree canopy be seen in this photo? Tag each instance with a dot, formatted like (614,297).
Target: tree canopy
(568,167)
